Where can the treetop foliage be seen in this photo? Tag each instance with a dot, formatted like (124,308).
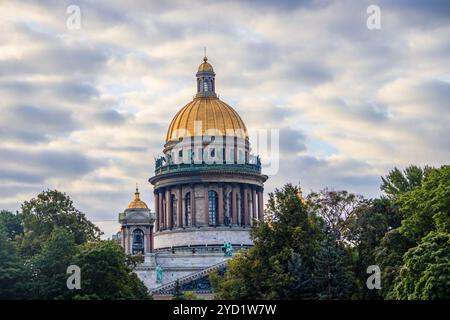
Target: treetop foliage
(320,248)
(44,238)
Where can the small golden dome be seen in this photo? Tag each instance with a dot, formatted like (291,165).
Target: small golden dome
(205,66)
(300,197)
(137,203)
(211,115)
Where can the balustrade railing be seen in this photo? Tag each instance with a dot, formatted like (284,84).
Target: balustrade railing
(199,249)
(244,167)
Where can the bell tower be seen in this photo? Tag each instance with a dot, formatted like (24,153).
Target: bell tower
(136,234)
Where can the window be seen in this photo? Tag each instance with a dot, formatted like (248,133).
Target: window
(205,86)
(180,155)
(187,209)
(232,155)
(241,156)
(173,203)
(212,208)
(190,155)
(228,219)
(213,153)
(138,242)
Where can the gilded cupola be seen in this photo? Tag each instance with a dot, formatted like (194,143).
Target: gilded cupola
(206,114)
(137,203)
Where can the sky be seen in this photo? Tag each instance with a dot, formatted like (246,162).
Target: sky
(85,110)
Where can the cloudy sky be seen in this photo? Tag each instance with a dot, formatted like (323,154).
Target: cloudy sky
(86,110)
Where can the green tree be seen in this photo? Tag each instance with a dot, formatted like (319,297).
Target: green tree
(51,209)
(106,273)
(389,257)
(50,265)
(398,182)
(303,284)
(333,278)
(423,207)
(336,208)
(366,229)
(425,273)
(177,295)
(12,272)
(11,223)
(240,281)
(56,235)
(426,213)
(370,222)
(267,270)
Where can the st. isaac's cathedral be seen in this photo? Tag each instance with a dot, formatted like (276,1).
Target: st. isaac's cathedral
(208,192)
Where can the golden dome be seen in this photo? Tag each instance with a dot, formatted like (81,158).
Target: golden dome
(205,66)
(137,203)
(211,115)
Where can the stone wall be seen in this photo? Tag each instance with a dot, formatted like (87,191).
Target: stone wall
(202,236)
(175,266)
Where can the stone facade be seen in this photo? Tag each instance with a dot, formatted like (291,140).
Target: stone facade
(175,266)
(208,190)
(202,237)
(220,199)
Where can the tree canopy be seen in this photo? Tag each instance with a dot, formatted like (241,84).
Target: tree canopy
(321,247)
(48,235)
(291,256)
(49,210)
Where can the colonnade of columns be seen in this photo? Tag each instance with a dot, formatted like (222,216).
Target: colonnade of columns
(235,205)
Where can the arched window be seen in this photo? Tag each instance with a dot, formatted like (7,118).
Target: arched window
(173,203)
(187,209)
(239,208)
(163,216)
(241,157)
(205,86)
(212,208)
(228,219)
(138,241)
